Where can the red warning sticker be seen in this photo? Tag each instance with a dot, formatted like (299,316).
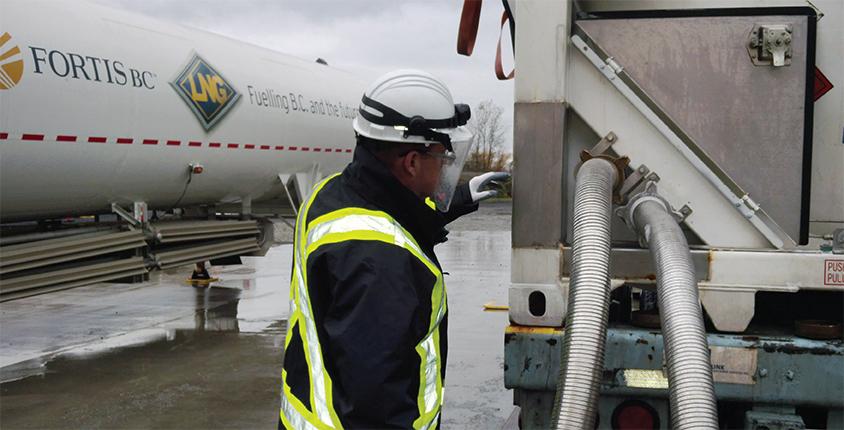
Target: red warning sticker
(822,84)
(833,273)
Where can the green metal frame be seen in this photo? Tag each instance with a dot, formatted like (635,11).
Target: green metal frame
(789,371)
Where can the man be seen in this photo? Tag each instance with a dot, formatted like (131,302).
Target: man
(366,340)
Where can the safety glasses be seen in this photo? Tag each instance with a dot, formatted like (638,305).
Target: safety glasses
(446,158)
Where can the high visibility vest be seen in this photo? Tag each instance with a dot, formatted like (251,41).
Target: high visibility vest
(339,226)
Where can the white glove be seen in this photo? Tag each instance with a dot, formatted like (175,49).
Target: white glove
(480,181)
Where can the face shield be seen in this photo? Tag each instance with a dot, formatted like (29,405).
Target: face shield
(381,122)
(453,162)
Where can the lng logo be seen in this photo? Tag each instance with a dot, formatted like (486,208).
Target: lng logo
(11,64)
(206,91)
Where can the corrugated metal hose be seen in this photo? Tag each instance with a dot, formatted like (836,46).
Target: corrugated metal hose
(576,400)
(691,389)
(690,386)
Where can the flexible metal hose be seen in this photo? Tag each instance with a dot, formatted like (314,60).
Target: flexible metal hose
(690,386)
(582,362)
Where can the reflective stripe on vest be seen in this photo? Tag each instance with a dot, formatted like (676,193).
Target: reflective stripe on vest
(293,412)
(340,226)
(430,203)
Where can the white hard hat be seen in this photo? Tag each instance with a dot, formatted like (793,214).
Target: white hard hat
(412,106)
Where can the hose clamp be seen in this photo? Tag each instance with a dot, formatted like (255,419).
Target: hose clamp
(649,194)
(620,164)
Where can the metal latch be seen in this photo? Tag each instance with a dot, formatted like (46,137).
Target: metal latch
(770,44)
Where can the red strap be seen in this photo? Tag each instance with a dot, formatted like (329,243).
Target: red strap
(468,31)
(499,69)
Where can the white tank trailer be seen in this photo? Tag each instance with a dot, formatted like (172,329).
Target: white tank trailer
(685,159)
(99,106)
(105,111)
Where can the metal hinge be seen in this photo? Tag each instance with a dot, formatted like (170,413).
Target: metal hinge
(747,206)
(617,68)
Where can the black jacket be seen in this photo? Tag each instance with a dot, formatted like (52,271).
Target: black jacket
(371,301)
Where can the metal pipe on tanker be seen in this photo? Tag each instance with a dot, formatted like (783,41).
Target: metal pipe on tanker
(690,385)
(582,360)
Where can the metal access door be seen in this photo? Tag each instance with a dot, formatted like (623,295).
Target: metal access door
(735,85)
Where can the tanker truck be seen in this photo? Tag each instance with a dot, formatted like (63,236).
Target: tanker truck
(678,214)
(128,144)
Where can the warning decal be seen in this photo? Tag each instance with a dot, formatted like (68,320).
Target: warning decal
(833,273)
(733,365)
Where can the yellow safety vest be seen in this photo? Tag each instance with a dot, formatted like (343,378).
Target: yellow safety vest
(338,226)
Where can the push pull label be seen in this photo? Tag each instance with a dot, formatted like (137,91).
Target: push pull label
(833,273)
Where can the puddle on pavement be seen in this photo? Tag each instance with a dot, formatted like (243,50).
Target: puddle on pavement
(204,378)
(169,355)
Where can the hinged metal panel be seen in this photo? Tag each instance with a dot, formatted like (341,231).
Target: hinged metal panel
(697,70)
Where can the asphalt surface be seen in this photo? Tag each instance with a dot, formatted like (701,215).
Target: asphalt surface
(163,354)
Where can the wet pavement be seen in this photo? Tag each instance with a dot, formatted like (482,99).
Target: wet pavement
(163,354)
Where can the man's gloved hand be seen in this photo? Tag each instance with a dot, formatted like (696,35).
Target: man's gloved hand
(478,182)
(468,194)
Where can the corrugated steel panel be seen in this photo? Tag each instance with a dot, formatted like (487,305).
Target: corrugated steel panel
(192,254)
(14,258)
(182,231)
(70,277)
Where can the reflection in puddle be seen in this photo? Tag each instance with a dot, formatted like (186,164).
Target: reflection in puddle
(216,309)
(236,270)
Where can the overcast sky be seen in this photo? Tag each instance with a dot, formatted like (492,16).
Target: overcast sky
(369,37)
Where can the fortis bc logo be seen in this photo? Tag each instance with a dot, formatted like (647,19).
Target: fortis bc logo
(11,64)
(207,93)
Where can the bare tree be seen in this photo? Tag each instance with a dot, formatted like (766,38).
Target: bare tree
(489,130)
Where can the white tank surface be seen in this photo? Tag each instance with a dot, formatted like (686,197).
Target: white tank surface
(99,106)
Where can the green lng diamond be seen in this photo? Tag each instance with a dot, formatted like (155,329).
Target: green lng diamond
(208,94)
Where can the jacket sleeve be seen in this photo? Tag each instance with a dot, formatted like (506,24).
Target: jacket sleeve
(376,307)
(461,204)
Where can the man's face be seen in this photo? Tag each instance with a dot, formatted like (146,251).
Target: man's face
(432,164)
(419,168)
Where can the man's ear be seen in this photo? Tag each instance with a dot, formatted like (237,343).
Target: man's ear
(410,164)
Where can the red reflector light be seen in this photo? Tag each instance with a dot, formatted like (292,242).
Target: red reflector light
(197,169)
(634,414)
(822,84)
